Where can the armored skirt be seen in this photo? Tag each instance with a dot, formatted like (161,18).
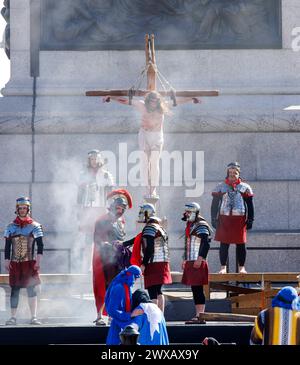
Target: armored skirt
(157,273)
(231,229)
(23,274)
(195,277)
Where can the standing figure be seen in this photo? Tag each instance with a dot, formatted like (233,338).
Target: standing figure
(20,238)
(110,256)
(232,213)
(153,110)
(94,185)
(153,244)
(118,301)
(197,244)
(95,182)
(280,324)
(148,319)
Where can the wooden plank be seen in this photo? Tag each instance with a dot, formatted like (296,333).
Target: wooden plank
(233,288)
(248,311)
(229,317)
(255,277)
(255,296)
(187,93)
(247,278)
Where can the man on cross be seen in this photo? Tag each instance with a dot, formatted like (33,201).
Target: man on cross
(153,110)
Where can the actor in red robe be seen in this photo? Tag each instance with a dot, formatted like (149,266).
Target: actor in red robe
(110,256)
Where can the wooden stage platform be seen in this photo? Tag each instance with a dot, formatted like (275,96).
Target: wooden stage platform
(179,333)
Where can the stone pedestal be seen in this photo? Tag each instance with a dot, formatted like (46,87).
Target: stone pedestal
(43,141)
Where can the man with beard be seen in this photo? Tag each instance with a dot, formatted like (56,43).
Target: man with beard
(110,256)
(20,238)
(153,110)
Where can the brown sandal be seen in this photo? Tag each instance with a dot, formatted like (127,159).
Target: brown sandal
(196,320)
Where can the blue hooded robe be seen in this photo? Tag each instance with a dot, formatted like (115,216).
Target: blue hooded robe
(115,302)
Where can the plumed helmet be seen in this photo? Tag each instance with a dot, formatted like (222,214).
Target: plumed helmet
(119,197)
(146,211)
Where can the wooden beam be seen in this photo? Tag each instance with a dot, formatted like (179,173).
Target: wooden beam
(247,278)
(256,297)
(233,288)
(224,317)
(187,93)
(152,70)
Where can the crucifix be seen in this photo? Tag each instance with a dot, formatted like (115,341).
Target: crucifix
(152,111)
(152,72)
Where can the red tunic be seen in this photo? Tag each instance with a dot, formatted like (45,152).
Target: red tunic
(192,276)
(231,229)
(23,274)
(157,273)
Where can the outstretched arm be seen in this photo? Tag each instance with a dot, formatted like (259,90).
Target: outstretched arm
(183,100)
(108,98)
(124,101)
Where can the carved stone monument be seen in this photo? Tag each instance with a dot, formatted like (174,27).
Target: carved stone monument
(61,49)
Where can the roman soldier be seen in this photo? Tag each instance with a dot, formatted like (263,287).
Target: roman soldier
(151,252)
(94,184)
(232,214)
(196,247)
(20,260)
(110,256)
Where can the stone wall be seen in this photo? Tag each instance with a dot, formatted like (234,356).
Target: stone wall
(247,122)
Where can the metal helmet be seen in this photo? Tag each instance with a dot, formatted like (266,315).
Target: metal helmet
(146,211)
(23,200)
(129,335)
(119,198)
(192,207)
(97,154)
(233,165)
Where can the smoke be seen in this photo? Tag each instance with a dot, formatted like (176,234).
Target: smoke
(69,299)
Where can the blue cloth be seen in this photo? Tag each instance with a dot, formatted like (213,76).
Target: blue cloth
(287,298)
(115,303)
(160,335)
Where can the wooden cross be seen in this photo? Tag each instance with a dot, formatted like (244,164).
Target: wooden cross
(151,80)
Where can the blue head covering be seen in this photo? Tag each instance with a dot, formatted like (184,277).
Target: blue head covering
(287,298)
(126,276)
